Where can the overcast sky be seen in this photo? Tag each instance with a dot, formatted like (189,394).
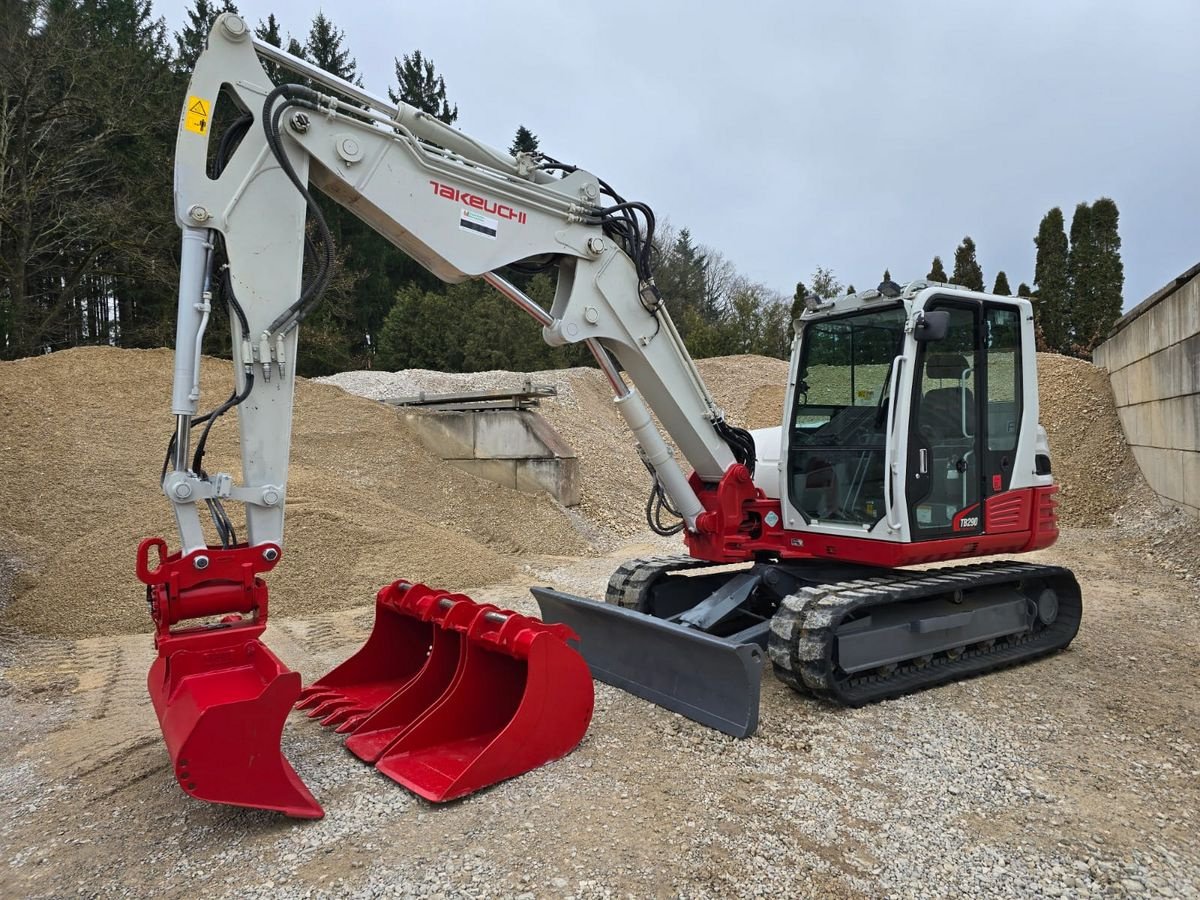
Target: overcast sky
(851,135)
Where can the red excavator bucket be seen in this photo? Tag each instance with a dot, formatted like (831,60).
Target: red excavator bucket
(497,695)
(392,655)
(220,695)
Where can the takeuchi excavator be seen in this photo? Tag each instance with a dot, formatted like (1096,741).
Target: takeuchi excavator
(909,435)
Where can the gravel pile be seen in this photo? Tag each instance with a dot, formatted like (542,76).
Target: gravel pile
(82,436)
(614,482)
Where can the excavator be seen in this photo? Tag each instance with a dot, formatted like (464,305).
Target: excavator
(909,436)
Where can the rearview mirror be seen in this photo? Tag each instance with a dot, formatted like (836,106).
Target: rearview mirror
(932,326)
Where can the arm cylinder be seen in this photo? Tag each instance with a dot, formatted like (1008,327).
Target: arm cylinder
(193,259)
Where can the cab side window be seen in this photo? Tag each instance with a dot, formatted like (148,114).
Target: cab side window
(1002,343)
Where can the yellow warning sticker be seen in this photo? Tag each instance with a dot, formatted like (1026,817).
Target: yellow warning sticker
(195,117)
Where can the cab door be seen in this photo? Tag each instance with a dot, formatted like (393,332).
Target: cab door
(943,481)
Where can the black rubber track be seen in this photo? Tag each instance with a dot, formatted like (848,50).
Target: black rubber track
(630,584)
(803,642)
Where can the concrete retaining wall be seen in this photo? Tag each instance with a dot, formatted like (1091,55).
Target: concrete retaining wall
(516,448)
(1153,359)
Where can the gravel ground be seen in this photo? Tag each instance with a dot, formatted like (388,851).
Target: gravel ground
(1075,776)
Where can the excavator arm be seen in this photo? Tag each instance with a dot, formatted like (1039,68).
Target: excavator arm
(459,208)
(463,210)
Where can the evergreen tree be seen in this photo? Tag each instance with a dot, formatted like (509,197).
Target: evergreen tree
(1050,278)
(824,284)
(798,301)
(325,49)
(269,31)
(525,142)
(967,271)
(1001,288)
(1110,271)
(681,275)
(1023,290)
(191,38)
(420,86)
(937,271)
(1082,265)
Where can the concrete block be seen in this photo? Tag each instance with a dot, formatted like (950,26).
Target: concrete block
(559,477)
(501,471)
(516,434)
(1191,479)
(1132,424)
(451,435)
(1178,423)
(1163,470)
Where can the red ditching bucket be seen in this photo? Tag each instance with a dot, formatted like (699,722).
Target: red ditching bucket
(220,695)
(393,654)
(496,695)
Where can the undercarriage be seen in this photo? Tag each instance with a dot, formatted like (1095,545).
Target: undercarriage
(694,638)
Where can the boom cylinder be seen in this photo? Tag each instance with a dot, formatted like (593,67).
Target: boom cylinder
(660,458)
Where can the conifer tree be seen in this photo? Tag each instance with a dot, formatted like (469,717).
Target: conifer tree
(825,284)
(420,86)
(1023,290)
(937,272)
(1050,278)
(525,141)
(798,300)
(967,271)
(270,32)
(326,49)
(1001,288)
(190,39)
(1109,275)
(1082,266)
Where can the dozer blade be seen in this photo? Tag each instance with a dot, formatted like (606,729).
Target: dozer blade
(708,679)
(490,695)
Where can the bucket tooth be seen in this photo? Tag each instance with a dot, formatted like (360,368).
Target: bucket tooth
(393,653)
(402,710)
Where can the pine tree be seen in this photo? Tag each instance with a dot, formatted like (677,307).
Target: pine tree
(1110,271)
(191,38)
(421,87)
(798,300)
(825,285)
(967,271)
(1023,290)
(269,31)
(326,50)
(525,142)
(1001,288)
(1051,309)
(937,271)
(1082,267)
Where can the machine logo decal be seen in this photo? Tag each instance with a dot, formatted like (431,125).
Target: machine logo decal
(195,115)
(967,518)
(480,224)
(492,207)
